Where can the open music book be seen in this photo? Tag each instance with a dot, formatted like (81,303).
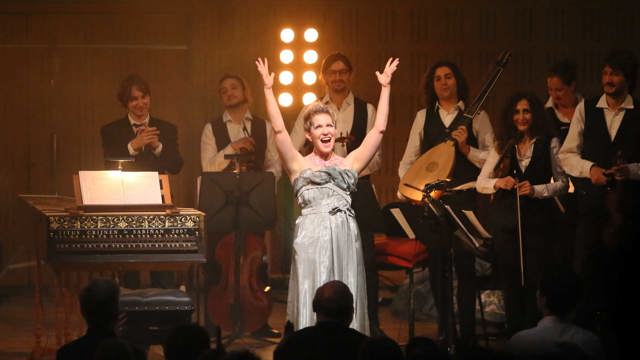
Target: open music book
(114,187)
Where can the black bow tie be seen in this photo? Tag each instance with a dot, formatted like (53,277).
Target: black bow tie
(137,125)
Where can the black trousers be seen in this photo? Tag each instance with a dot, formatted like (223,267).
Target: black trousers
(369,218)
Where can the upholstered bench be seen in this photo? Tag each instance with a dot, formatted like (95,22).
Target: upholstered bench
(151,313)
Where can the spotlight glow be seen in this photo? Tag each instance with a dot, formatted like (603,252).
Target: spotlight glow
(286,56)
(310,35)
(287,35)
(285,99)
(310,56)
(285,77)
(309,77)
(308,98)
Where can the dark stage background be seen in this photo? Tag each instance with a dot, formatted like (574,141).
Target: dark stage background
(61,61)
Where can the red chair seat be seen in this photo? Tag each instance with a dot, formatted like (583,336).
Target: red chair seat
(400,251)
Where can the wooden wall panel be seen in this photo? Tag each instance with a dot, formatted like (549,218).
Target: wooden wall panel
(62,61)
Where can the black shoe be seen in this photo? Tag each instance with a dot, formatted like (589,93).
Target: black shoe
(266,332)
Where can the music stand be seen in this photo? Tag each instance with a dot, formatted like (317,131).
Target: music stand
(465,227)
(239,203)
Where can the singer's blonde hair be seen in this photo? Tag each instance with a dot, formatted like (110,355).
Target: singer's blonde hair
(317,109)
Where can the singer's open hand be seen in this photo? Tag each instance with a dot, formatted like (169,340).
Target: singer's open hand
(263,69)
(385,78)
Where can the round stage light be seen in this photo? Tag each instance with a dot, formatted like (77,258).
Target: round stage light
(286,56)
(308,98)
(310,56)
(285,77)
(309,77)
(311,35)
(287,35)
(285,99)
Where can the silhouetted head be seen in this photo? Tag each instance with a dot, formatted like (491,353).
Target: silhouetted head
(186,342)
(333,301)
(99,303)
(380,348)
(559,291)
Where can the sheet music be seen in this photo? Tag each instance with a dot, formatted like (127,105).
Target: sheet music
(399,216)
(141,187)
(476,223)
(114,187)
(461,226)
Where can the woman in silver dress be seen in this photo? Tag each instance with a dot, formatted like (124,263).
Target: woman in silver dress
(327,243)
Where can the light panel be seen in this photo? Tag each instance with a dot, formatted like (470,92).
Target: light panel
(309,77)
(311,35)
(286,56)
(308,98)
(310,56)
(285,77)
(285,99)
(287,35)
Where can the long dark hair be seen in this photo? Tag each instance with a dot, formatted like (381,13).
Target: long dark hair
(506,133)
(430,96)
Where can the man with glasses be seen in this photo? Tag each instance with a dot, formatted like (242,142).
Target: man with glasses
(354,118)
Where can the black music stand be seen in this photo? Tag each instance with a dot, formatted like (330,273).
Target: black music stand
(240,203)
(470,236)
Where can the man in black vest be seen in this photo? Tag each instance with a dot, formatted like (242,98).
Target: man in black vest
(238,131)
(602,152)
(151,142)
(446,91)
(354,118)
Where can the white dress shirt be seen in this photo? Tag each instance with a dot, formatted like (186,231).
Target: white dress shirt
(344,123)
(548,338)
(570,153)
(481,127)
(212,158)
(562,118)
(559,185)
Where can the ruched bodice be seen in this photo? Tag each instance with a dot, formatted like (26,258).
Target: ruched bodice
(327,244)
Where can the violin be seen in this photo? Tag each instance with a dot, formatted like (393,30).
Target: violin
(345,139)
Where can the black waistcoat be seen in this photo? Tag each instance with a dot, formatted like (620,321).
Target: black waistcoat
(435,133)
(560,128)
(258,133)
(598,147)
(536,211)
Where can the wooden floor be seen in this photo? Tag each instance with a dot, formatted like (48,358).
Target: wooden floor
(17,324)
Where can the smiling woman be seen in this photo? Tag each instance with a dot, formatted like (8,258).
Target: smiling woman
(518,170)
(327,245)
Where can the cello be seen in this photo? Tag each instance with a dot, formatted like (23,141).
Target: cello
(239,302)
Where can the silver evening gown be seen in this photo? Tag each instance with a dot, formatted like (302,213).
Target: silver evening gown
(327,244)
